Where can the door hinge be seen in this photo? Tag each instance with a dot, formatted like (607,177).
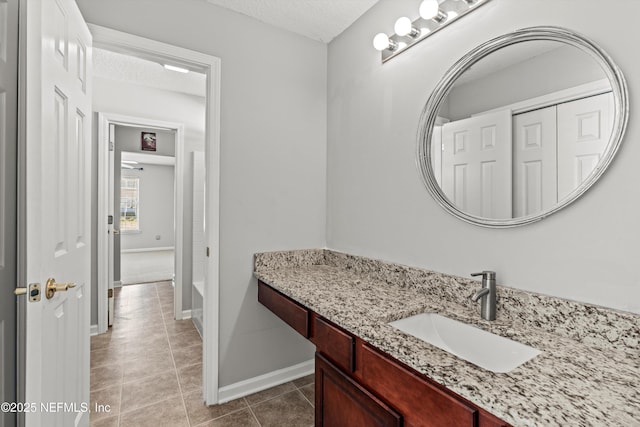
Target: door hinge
(110,293)
(208,251)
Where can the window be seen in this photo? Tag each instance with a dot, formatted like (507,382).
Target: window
(129,200)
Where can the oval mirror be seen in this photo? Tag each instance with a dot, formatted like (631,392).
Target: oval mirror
(521,126)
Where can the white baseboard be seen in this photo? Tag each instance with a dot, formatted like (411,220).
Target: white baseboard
(186,314)
(117,284)
(263,382)
(93,330)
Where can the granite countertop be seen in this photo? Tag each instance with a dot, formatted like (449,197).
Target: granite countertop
(587,374)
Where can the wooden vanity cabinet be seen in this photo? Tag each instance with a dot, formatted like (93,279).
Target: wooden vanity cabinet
(341,401)
(358,385)
(419,400)
(285,308)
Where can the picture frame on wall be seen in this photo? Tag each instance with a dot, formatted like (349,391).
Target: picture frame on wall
(148,140)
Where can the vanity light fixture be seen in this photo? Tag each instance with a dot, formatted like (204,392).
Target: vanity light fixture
(434,15)
(382,42)
(430,9)
(404,27)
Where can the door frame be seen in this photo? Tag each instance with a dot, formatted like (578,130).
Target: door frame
(106,205)
(211,66)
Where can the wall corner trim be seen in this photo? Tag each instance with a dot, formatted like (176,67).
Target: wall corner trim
(263,382)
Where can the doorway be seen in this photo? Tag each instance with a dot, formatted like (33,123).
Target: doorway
(132,244)
(162,53)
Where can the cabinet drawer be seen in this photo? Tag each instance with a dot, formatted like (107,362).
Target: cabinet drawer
(336,344)
(285,308)
(420,403)
(340,401)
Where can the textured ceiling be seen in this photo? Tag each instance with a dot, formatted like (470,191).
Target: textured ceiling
(320,20)
(126,68)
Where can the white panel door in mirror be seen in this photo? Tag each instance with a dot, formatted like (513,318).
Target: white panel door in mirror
(476,164)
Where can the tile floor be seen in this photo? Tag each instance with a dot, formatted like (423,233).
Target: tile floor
(147,368)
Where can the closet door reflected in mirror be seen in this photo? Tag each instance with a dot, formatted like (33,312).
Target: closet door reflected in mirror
(521,126)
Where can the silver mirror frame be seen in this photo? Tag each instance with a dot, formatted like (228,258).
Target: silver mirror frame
(430,111)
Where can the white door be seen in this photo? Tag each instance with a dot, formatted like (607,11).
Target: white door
(584,129)
(476,164)
(58,245)
(534,162)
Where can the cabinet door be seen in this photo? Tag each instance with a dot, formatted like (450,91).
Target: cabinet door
(340,401)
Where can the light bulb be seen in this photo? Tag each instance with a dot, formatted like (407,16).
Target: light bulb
(429,9)
(451,15)
(403,26)
(381,41)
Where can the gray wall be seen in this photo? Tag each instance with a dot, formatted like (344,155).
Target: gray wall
(378,206)
(273,158)
(528,79)
(156,207)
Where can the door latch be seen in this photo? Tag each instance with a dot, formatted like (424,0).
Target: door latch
(33,291)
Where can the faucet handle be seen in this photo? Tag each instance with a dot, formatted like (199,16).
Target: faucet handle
(486,274)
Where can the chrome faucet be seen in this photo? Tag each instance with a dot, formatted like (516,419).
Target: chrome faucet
(487,295)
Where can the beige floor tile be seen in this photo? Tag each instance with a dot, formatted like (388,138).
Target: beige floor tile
(199,413)
(187,356)
(148,365)
(142,348)
(190,378)
(270,393)
(165,292)
(146,313)
(106,422)
(139,349)
(306,380)
(105,398)
(176,327)
(149,390)
(139,331)
(167,310)
(169,412)
(242,418)
(106,356)
(309,391)
(144,317)
(185,339)
(103,341)
(287,410)
(105,376)
(164,298)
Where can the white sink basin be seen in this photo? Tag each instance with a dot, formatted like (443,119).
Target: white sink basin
(482,348)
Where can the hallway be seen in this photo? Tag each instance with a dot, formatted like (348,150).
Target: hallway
(148,369)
